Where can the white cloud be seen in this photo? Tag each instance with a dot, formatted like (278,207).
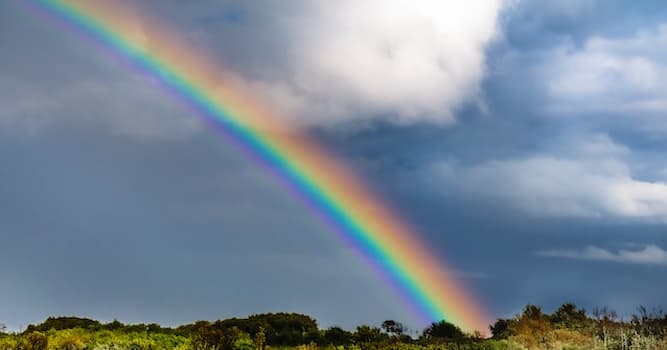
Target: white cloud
(609,75)
(402,60)
(591,179)
(648,255)
(315,62)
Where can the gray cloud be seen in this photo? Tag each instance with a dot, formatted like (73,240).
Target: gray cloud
(648,255)
(121,104)
(62,78)
(588,179)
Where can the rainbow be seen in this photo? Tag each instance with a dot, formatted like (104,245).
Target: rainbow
(327,186)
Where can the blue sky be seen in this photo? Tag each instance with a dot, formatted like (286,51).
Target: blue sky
(523,139)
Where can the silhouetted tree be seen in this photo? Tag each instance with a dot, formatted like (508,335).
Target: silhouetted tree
(114,325)
(501,329)
(393,328)
(570,317)
(283,329)
(206,337)
(337,336)
(60,323)
(367,335)
(443,331)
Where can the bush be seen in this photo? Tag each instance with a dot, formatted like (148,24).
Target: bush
(33,341)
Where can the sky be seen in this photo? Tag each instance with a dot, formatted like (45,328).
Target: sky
(523,139)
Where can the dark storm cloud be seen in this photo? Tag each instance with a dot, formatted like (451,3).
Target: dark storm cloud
(514,137)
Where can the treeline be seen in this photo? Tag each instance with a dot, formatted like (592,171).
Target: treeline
(256,332)
(568,327)
(61,323)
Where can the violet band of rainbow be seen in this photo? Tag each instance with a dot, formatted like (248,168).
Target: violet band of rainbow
(392,248)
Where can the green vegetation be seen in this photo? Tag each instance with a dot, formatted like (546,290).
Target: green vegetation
(567,328)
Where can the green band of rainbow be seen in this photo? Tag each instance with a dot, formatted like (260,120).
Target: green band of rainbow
(325,184)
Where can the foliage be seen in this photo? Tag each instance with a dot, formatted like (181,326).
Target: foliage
(336,336)
(365,336)
(567,328)
(393,328)
(260,339)
(60,323)
(444,331)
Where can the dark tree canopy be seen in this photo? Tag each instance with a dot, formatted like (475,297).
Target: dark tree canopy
(501,329)
(60,323)
(444,331)
(367,335)
(393,328)
(568,327)
(569,316)
(336,336)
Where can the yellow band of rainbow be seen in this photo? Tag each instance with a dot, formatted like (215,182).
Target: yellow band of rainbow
(318,178)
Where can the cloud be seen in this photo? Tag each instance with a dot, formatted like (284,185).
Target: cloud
(416,60)
(589,179)
(611,75)
(318,63)
(60,79)
(326,62)
(648,255)
(123,105)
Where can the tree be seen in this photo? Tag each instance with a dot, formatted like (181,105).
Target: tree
(393,328)
(570,317)
(532,312)
(230,337)
(443,331)
(114,325)
(501,329)
(206,337)
(337,336)
(532,327)
(59,323)
(236,339)
(283,329)
(367,335)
